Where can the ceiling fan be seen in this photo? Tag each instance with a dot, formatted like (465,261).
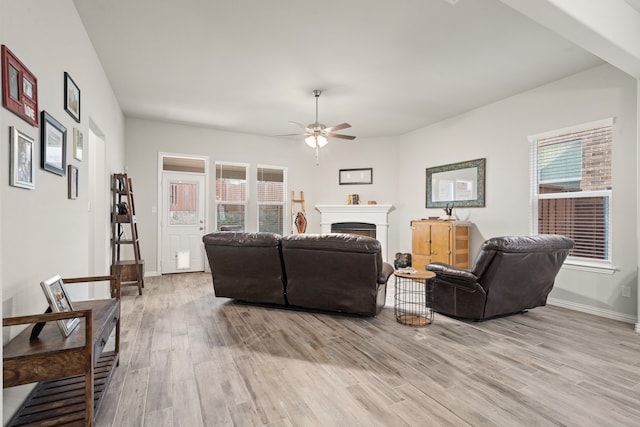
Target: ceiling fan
(317,133)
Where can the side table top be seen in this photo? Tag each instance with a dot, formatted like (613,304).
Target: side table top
(416,274)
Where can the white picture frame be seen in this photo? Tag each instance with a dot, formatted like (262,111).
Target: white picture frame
(22,149)
(59,302)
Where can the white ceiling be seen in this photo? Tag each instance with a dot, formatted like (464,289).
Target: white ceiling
(385,67)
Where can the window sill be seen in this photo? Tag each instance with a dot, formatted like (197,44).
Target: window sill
(591,267)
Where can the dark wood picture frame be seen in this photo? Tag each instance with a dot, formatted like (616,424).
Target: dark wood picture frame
(19,88)
(53,144)
(72,182)
(71,97)
(355,176)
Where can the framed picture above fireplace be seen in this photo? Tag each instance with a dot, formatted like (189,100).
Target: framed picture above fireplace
(355,176)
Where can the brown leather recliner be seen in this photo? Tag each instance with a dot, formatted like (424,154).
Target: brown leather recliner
(246,266)
(509,275)
(336,272)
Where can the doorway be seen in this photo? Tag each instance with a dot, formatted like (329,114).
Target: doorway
(183,213)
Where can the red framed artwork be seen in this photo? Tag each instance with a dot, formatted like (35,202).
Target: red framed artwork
(19,88)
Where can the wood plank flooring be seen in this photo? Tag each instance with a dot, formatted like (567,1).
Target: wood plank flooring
(191,359)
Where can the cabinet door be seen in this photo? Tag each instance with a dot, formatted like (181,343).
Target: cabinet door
(420,238)
(440,243)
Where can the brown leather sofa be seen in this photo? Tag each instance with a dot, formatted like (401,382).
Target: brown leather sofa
(509,275)
(334,272)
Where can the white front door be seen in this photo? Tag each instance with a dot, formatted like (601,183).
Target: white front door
(183,222)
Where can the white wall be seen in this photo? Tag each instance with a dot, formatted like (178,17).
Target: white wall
(43,232)
(498,132)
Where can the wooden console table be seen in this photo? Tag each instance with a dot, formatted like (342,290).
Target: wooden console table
(73,373)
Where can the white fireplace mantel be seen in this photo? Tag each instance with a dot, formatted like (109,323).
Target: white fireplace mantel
(370,214)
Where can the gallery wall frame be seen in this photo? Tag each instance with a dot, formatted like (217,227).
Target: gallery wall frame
(355,176)
(71,97)
(19,88)
(53,143)
(21,162)
(72,182)
(457,184)
(78,144)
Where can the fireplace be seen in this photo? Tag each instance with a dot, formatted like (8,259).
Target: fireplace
(359,228)
(371,215)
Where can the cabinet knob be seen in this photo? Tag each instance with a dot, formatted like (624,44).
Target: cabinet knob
(433,252)
(428,241)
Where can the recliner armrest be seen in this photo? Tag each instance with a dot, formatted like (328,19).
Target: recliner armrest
(385,273)
(454,276)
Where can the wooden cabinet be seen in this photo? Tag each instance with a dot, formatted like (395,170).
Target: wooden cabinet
(73,373)
(439,241)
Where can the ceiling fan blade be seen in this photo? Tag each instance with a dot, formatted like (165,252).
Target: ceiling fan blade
(338,127)
(299,124)
(292,134)
(337,135)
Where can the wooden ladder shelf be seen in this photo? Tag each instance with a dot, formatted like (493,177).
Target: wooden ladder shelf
(124,231)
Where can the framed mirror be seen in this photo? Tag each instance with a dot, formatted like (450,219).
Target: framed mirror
(460,184)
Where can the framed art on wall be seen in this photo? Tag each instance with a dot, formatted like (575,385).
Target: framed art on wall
(53,141)
(459,184)
(78,144)
(19,88)
(21,166)
(355,176)
(72,184)
(71,97)
(59,302)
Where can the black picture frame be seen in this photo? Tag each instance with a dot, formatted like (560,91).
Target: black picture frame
(355,176)
(53,145)
(458,184)
(71,97)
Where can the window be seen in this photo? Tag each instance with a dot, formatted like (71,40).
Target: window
(572,187)
(271,196)
(231,196)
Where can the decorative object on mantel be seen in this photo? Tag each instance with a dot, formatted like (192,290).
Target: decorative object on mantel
(19,88)
(462,183)
(353,199)
(355,176)
(372,202)
(300,220)
(317,133)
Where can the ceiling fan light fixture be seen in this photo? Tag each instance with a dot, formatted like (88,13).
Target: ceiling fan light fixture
(312,140)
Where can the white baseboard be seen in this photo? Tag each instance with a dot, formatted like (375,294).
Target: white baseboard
(595,311)
(151,274)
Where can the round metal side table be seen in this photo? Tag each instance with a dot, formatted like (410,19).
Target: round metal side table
(414,298)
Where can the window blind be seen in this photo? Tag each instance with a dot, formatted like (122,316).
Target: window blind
(572,187)
(271,199)
(231,196)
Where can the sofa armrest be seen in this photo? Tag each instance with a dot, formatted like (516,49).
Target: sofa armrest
(454,276)
(385,273)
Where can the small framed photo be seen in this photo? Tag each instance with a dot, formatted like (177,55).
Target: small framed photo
(72,184)
(78,144)
(21,167)
(59,302)
(71,97)
(356,176)
(53,140)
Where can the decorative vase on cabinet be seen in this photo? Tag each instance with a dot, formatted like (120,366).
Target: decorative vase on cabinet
(439,241)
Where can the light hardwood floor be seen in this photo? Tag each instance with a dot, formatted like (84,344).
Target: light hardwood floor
(191,359)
